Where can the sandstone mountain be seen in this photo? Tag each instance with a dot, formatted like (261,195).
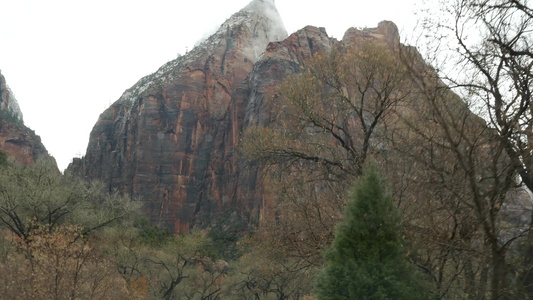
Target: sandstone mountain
(172,139)
(16,140)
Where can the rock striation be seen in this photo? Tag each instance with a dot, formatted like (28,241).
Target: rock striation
(16,140)
(172,139)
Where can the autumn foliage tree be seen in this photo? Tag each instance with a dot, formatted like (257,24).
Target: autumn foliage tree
(59,263)
(50,228)
(40,195)
(326,121)
(63,238)
(173,267)
(329,114)
(328,117)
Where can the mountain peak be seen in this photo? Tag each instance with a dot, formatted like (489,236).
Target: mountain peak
(248,31)
(259,4)
(262,19)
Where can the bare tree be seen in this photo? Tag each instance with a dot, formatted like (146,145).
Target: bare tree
(327,121)
(487,61)
(466,178)
(329,113)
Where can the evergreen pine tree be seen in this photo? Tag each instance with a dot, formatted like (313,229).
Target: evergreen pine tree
(366,259)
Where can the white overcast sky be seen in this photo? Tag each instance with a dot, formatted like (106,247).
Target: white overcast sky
(68,60)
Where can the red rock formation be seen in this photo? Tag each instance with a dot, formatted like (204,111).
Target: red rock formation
(171,139)
(386,33)
(16,140)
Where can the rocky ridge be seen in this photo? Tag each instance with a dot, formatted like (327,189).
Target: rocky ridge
(8,103)
(16,140)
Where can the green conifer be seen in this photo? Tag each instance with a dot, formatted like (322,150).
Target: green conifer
(367,259)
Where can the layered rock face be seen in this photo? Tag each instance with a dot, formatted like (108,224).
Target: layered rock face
(172,139)
(16,140)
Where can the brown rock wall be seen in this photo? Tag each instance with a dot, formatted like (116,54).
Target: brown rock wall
(16,140)
(171,139)
(386,33)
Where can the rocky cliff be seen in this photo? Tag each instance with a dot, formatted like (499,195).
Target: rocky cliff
(16,140)
(172,139)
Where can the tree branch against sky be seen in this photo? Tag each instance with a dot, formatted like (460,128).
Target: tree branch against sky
(483,54)
(331,113)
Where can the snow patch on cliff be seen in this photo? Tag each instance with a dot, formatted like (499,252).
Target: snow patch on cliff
(260,18)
